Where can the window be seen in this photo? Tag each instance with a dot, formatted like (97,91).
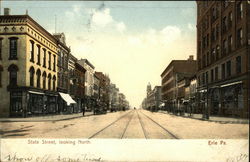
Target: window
(208,61)
(224,24)
(213,55)
(217,32)
(217,52)
(44,80)
(212,75)
(32,71)
(207,40)
(223,71)
(239,37)
(224,47)
(16,101)
(203,78)
(38,78)
(1,69)
(238,64)
(13,75)
(216,73)
(54,83)
(38,54)
(44,57)
(239,9)
(49,82)
(49,61)
(1,44)
(206,77)
(228,68)
(54,63)
(230,38)
(230,20)
(31,51)
(13,48)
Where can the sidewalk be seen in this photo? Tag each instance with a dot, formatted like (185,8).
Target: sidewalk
(47,118)
(223,120)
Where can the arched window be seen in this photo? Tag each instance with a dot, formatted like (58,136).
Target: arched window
(44,80)
(32,71)
(49,82)
(54,83)
(38,54)
(13,48)
(13,75)
(38,78)
(31,50)
(1,69)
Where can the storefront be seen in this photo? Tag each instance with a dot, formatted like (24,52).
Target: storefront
(68,101)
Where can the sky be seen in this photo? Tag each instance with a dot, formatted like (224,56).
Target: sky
(133,42)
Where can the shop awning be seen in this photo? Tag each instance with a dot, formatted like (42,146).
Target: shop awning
(67,98)
(229,84)
(36,92)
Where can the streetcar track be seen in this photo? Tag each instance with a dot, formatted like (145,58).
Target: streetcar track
(98,132)
(174,136)
(127,126)
(142,126)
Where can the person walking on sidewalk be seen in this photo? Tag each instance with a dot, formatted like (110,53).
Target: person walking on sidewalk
(83,110)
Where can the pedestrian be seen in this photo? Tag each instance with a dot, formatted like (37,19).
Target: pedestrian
(83,111)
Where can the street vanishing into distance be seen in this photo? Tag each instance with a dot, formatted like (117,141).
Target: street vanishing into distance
(130,124)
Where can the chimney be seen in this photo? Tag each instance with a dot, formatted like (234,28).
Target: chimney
(191,57)
(6,11)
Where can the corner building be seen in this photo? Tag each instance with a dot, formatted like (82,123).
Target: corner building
(28,67)
(223,40)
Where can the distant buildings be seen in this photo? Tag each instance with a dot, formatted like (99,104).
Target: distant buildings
(223,57)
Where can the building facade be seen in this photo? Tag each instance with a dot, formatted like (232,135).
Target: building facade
(28,62)
(89,83)
(176,70)
(80,88)
(63,73)
(223,41)
(104,90)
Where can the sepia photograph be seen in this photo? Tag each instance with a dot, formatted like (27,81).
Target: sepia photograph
(124,80)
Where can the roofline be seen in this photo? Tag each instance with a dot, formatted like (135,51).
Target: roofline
(173,61)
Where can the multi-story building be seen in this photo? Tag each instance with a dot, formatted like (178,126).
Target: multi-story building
(89,82)
(114,91)
(104,89)
(63,73)
(72,76)
(191,95)
(154,99)
(176,70)
(223,57)
(96,91)
(80,87)
(28,67)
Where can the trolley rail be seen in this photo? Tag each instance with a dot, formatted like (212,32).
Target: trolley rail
(166,130)
(142,126)
(109,125)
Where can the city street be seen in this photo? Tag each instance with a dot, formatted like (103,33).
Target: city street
(125,125)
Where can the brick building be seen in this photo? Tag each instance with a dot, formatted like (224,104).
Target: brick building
(176,70)
(223,57)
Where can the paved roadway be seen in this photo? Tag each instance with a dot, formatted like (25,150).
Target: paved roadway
(125,125)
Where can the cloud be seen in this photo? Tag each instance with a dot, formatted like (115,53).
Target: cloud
(102,18)
(134,40)
(121,27)
(170,34)
(191,26)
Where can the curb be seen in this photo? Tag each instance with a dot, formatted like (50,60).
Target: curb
(46,120)
(216,121)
